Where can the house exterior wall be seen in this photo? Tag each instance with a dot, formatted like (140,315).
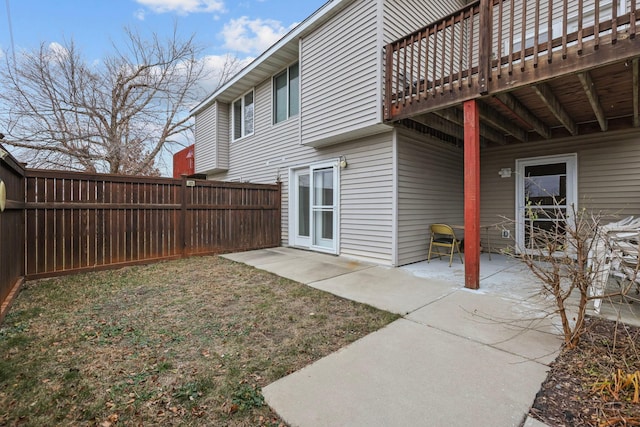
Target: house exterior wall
(340,67)
(402,17)
(212,134)
(608,177)
(366,185)
(430,190)
(183,162)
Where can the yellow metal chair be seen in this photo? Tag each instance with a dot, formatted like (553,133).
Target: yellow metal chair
(442,236)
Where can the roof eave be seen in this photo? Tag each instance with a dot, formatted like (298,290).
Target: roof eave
(310,23)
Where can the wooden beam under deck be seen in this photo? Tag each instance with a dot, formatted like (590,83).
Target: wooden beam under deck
(594,100)
(442,125)
(487,132)
(524,114)
(546,95)
(496,120)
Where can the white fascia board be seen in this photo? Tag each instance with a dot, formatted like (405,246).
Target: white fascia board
(309,23)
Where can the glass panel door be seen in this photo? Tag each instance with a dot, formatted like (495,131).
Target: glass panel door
(323,207)
(302,208)
(314,207)
(545,193)
(546,197)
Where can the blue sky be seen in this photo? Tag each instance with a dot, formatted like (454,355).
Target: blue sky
(244,28)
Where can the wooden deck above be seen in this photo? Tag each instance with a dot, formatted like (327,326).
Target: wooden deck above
(576,72)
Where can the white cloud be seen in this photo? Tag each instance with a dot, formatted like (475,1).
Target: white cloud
(183,6)
(252,36)
(139,14)
(219,68)
(58,50)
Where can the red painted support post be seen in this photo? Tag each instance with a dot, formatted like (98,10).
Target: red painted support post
(471,195)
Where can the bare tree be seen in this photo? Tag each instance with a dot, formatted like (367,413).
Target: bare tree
(114,116)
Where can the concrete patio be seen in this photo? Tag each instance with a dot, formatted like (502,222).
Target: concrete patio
(456,357)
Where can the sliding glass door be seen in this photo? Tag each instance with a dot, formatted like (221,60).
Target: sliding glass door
(315,207)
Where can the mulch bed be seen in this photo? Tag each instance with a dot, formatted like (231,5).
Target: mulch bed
(581,388)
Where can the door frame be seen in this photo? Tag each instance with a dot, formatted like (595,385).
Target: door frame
(571,161)
(293,206)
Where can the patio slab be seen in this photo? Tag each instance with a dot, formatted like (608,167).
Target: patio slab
(389,289)
(265,256)
(518,327)
(302,266)
(409,374)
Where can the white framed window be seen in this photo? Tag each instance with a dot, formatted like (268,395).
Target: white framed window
(286,94)
(242,112)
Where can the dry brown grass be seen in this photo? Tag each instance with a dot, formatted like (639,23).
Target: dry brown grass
(188,342)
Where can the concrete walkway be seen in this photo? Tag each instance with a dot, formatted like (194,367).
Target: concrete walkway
(456,357)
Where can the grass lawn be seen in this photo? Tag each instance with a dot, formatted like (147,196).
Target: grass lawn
(187,342)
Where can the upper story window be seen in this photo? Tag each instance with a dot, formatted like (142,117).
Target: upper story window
(286,94)
(242,116)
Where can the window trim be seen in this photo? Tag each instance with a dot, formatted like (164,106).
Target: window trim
(241,98)
(274,106)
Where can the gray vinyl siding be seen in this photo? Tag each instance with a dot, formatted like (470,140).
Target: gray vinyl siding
(340,75)
(608,177)
(212,139)
(430,190)
(366,199)
(366,185)
(402,17)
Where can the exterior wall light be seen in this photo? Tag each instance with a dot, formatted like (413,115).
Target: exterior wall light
(505,173)
(343,162)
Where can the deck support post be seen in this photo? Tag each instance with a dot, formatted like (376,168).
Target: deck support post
(471,195)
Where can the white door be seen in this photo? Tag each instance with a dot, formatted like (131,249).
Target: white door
(546,197)
(314,207)
(301,208)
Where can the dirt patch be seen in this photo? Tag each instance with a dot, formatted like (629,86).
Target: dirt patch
(185,342)
(596,383)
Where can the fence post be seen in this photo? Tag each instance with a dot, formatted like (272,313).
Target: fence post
(279,226)
(182,241)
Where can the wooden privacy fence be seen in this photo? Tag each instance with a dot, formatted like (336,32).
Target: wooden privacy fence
(77,221)
(11,229)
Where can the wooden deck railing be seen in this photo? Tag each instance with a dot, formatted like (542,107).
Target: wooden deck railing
(495,45)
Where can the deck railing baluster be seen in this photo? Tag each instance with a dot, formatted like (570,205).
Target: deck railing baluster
(632,19)
(614,21)
(550,32)
(511,44)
